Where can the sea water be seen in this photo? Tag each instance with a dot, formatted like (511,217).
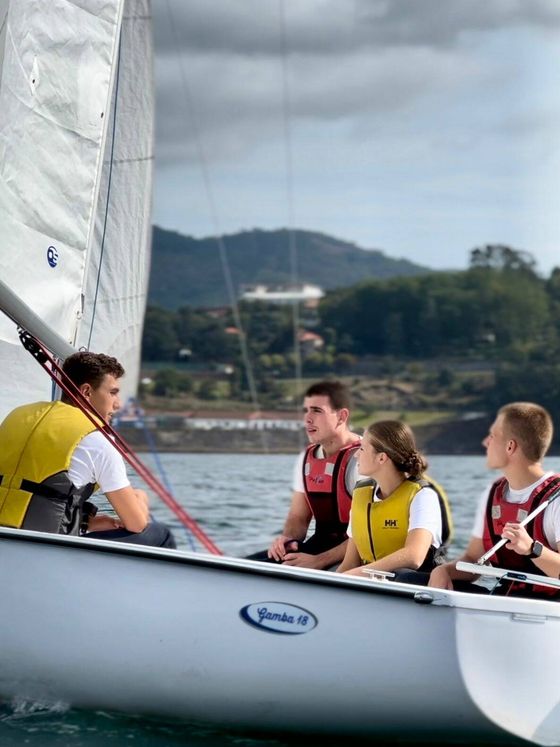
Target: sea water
(240,501)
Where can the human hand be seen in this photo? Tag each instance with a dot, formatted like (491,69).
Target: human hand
(519,539)
(301,560)
(355,572)
(103,523)
(280,546)
(440,578)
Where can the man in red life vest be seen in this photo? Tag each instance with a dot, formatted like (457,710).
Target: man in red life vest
(324,478)
(516,444)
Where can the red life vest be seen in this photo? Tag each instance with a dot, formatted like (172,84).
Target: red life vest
(325,488)
(499,512)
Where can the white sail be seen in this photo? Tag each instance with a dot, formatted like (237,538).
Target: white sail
(58,79)
(116,287)
(3,20)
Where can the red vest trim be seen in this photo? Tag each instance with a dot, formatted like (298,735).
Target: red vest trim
(325,487)
(499,512)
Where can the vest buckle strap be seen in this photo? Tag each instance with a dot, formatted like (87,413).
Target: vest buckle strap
(45,491)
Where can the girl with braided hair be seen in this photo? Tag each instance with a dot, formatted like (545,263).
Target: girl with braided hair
(400,520)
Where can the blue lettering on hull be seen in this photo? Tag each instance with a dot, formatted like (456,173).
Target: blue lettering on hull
(278,617)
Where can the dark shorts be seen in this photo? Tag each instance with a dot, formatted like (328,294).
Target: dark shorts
(154,535)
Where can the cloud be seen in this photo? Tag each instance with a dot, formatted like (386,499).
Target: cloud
(332,27)
(437,110)
(225,87)
(442,22)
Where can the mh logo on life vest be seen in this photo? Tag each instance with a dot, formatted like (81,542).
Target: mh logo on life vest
(391,523)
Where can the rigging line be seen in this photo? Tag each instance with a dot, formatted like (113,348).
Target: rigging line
(139,412)
(203,162)
(292,242)
(109,182)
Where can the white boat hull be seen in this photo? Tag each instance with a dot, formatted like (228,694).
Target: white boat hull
(106,626)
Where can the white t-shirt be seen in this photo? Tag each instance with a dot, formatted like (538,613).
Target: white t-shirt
(551,521)
(96,460)
(424,513)
(350,479)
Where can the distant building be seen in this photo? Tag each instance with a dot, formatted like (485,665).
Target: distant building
(213,420)
(306,293)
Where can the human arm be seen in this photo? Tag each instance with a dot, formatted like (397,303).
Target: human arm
(442,576)
(351,557)
(521,542)
(95,460)
(295,527)
(131,506)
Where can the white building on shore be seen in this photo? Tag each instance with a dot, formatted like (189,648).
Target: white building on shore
(305,293)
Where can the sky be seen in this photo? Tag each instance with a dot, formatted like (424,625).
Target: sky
(424,128)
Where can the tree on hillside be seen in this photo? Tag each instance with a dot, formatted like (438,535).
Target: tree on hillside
(441,314)
(526,382)
(501,257)
(269,328)
(205,335)
(159,341)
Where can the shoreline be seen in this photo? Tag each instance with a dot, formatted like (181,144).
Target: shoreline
(462,437)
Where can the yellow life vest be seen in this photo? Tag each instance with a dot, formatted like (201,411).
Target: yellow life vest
(36,445)
(379,528)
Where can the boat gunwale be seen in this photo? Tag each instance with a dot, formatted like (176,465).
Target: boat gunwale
(241,565)
(470,603)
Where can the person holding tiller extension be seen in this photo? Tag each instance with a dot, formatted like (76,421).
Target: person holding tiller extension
(52,457)
(516,444)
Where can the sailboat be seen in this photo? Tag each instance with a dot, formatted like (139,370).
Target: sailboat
(232,642)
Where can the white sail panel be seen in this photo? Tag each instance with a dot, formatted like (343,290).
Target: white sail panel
(54,97)
(116,289)
(3,20)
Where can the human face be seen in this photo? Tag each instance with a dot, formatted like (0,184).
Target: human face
(322,423)
(105,398)
(497,445)
(368,458)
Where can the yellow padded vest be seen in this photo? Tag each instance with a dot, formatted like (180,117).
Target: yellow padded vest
(36,442)
(379,528)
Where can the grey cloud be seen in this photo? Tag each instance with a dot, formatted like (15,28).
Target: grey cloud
(437,22)
(230,58)
(254,27)
(238,101)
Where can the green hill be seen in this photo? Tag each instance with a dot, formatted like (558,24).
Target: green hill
(188,272)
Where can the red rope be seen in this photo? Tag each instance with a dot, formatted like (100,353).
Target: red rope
(44,357)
